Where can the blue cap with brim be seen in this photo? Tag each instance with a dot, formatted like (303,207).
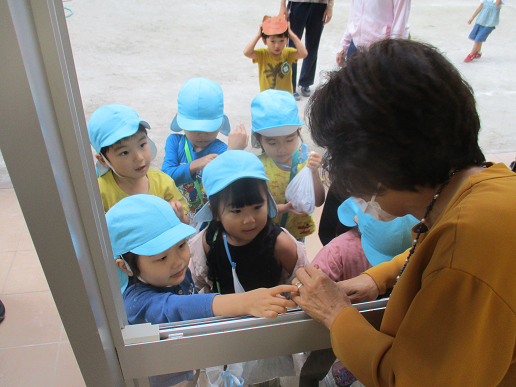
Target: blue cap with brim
(381,241)
(274,113)
(227,168)
(143,225)
(200,107)
(111,123)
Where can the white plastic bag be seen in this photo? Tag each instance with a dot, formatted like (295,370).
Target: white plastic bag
(300,191)
(218,377)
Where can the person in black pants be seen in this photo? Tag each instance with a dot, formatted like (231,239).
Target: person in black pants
(312,16)
(2,311)
(329,225)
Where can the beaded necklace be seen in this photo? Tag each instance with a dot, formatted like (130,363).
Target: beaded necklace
(420,228)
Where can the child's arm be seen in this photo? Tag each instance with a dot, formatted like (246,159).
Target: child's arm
(285,252)
(300,47)
(314,162)
(498,3)
(172,166)
(476,12)
(238,138)
(259,302)
(249,49)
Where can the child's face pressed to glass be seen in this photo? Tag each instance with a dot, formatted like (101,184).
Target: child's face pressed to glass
(276,45)
(200,140)
(243,224)
(130,157)
(167,268)
(280,148)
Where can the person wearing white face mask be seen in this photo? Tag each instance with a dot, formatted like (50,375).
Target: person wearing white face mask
(400,113)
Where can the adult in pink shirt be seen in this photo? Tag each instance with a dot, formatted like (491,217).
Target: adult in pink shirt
(373,20)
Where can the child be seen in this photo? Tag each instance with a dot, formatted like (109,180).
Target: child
(241,231)
(370,243)
(488,18)
(124,154)
(276,128)
(200,113)
(275,61)
(149,246)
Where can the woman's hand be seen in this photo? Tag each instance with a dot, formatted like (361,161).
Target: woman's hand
(361,288)
(318,295)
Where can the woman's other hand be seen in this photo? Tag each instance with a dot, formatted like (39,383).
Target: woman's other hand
(318,295)
(362,288)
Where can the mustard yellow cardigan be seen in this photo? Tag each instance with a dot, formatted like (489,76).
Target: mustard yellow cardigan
(451,318)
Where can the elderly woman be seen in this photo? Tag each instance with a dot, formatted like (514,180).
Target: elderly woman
(402,129)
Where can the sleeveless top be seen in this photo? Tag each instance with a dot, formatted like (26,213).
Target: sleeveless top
(256,265)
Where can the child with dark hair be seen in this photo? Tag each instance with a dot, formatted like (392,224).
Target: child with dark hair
(276,127)
(150,249)
(200,115)
(124,153)
(488,18)
(275,61)
(242,248)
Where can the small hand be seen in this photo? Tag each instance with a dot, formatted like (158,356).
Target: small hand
(269,302)
(470,20)
(341,57)
(283,11)
(179,211)
(318,295)
(238,138)
(360,289)
(328,14)
(199,164)
(282,208)
(314,161)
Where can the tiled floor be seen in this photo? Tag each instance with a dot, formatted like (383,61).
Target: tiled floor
(34,348)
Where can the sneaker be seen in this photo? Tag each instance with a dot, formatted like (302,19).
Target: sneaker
(477,55)
(297,96)
(305,91)
(469,58)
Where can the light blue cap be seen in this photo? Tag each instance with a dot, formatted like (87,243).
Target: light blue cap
(143,225)
(111,123)
(227,168)
(274,113)
(381,241)
(200,107)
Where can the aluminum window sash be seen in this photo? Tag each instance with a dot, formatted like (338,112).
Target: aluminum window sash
(227,341)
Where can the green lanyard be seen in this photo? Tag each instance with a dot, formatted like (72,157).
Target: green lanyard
(197,201)
(293,171)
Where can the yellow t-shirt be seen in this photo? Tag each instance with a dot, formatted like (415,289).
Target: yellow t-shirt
(160,185)
(299,226)
(275,73)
